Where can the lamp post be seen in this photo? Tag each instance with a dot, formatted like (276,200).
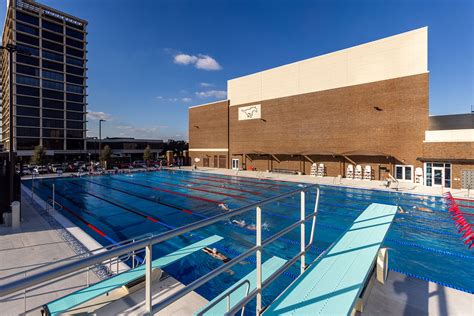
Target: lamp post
(100,134)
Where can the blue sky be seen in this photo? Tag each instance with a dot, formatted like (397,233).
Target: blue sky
(150,60)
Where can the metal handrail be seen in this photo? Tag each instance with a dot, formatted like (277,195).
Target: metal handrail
(227,295)
(147,243)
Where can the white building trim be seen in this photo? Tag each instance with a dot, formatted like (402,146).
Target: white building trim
(449,136)
(209,149)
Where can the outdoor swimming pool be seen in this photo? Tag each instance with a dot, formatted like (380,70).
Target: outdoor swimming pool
(423,241)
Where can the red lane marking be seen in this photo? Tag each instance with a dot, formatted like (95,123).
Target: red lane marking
(221,180)
(187,211)
(98,231)
(152,219)
(468,206)
(461,199)
(203,190)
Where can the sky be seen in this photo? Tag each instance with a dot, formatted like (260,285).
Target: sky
(148,60)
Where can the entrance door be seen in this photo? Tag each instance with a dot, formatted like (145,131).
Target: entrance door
(438,176)
(235,164)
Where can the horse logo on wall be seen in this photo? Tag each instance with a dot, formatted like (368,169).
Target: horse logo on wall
(250,112)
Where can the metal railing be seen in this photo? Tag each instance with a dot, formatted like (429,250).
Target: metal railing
(147,243)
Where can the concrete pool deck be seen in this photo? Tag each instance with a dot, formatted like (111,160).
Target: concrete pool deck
(36,243)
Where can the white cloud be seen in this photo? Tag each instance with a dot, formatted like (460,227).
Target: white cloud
(186,99)
(206,84)
(200,61)
(95,116)
(184,59)
(218,94)
(159,97)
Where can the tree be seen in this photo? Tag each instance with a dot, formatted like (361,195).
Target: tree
(105,154)
(39,155)
(147,155)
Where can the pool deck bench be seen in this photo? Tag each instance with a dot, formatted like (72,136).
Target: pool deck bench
(333,284)
(101,293)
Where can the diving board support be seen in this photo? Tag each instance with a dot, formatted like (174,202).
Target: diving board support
(148,256)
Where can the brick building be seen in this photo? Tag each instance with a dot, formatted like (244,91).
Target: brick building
(367,105)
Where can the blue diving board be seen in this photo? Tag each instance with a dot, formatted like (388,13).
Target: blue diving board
(84,295)
(238,290)
(332,284)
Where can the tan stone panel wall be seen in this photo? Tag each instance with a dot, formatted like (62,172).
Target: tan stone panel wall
(457,172)
(341,120)
(208,126)
(396,56)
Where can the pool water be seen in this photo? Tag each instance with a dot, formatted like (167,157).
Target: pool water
(423,240)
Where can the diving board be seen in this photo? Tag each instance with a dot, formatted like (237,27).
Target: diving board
(85,295)
(240,289)
(332,284)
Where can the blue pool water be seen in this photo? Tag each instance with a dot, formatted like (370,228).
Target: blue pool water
(423,241)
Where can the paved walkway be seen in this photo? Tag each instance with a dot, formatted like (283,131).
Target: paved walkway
(33,245)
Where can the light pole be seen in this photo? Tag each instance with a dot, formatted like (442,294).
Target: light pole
(100,134)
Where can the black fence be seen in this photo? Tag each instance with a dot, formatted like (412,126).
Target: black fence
(5,190)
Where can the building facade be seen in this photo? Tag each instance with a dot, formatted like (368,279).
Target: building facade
(366,105)
(49,79)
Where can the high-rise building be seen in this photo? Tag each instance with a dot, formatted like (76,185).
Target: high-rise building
(49,79)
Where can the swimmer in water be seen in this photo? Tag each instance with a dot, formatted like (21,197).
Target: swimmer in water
(216,254)
(239,223)
(423,209)
(224,207)
(401,210)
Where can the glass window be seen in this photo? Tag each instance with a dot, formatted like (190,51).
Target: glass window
(53,46)
(27,90)
(53,114)
(429,180)
(52,65)
(53,94)
(74,61)
(27,18)
(75,125)
(27,80)
(53,85)
(27,111)
(53,123)
(74,144)
(32,71)
(74,116)
(53,133)
(74,97)
(27,143)
(27,29)
(399,172)
(27,101)
(404,172)
(74,88)
(52,36)
(27,121)
(27,39)
(74,106)
(55,144)
(75,70)
(75,52)
(53,75)
(74,33)
(408,172)
(53,104)
(27,131)
(27,60)
(52,26)
(52,56)
(74,79)
(33,51)
(77,44)
(74,134)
